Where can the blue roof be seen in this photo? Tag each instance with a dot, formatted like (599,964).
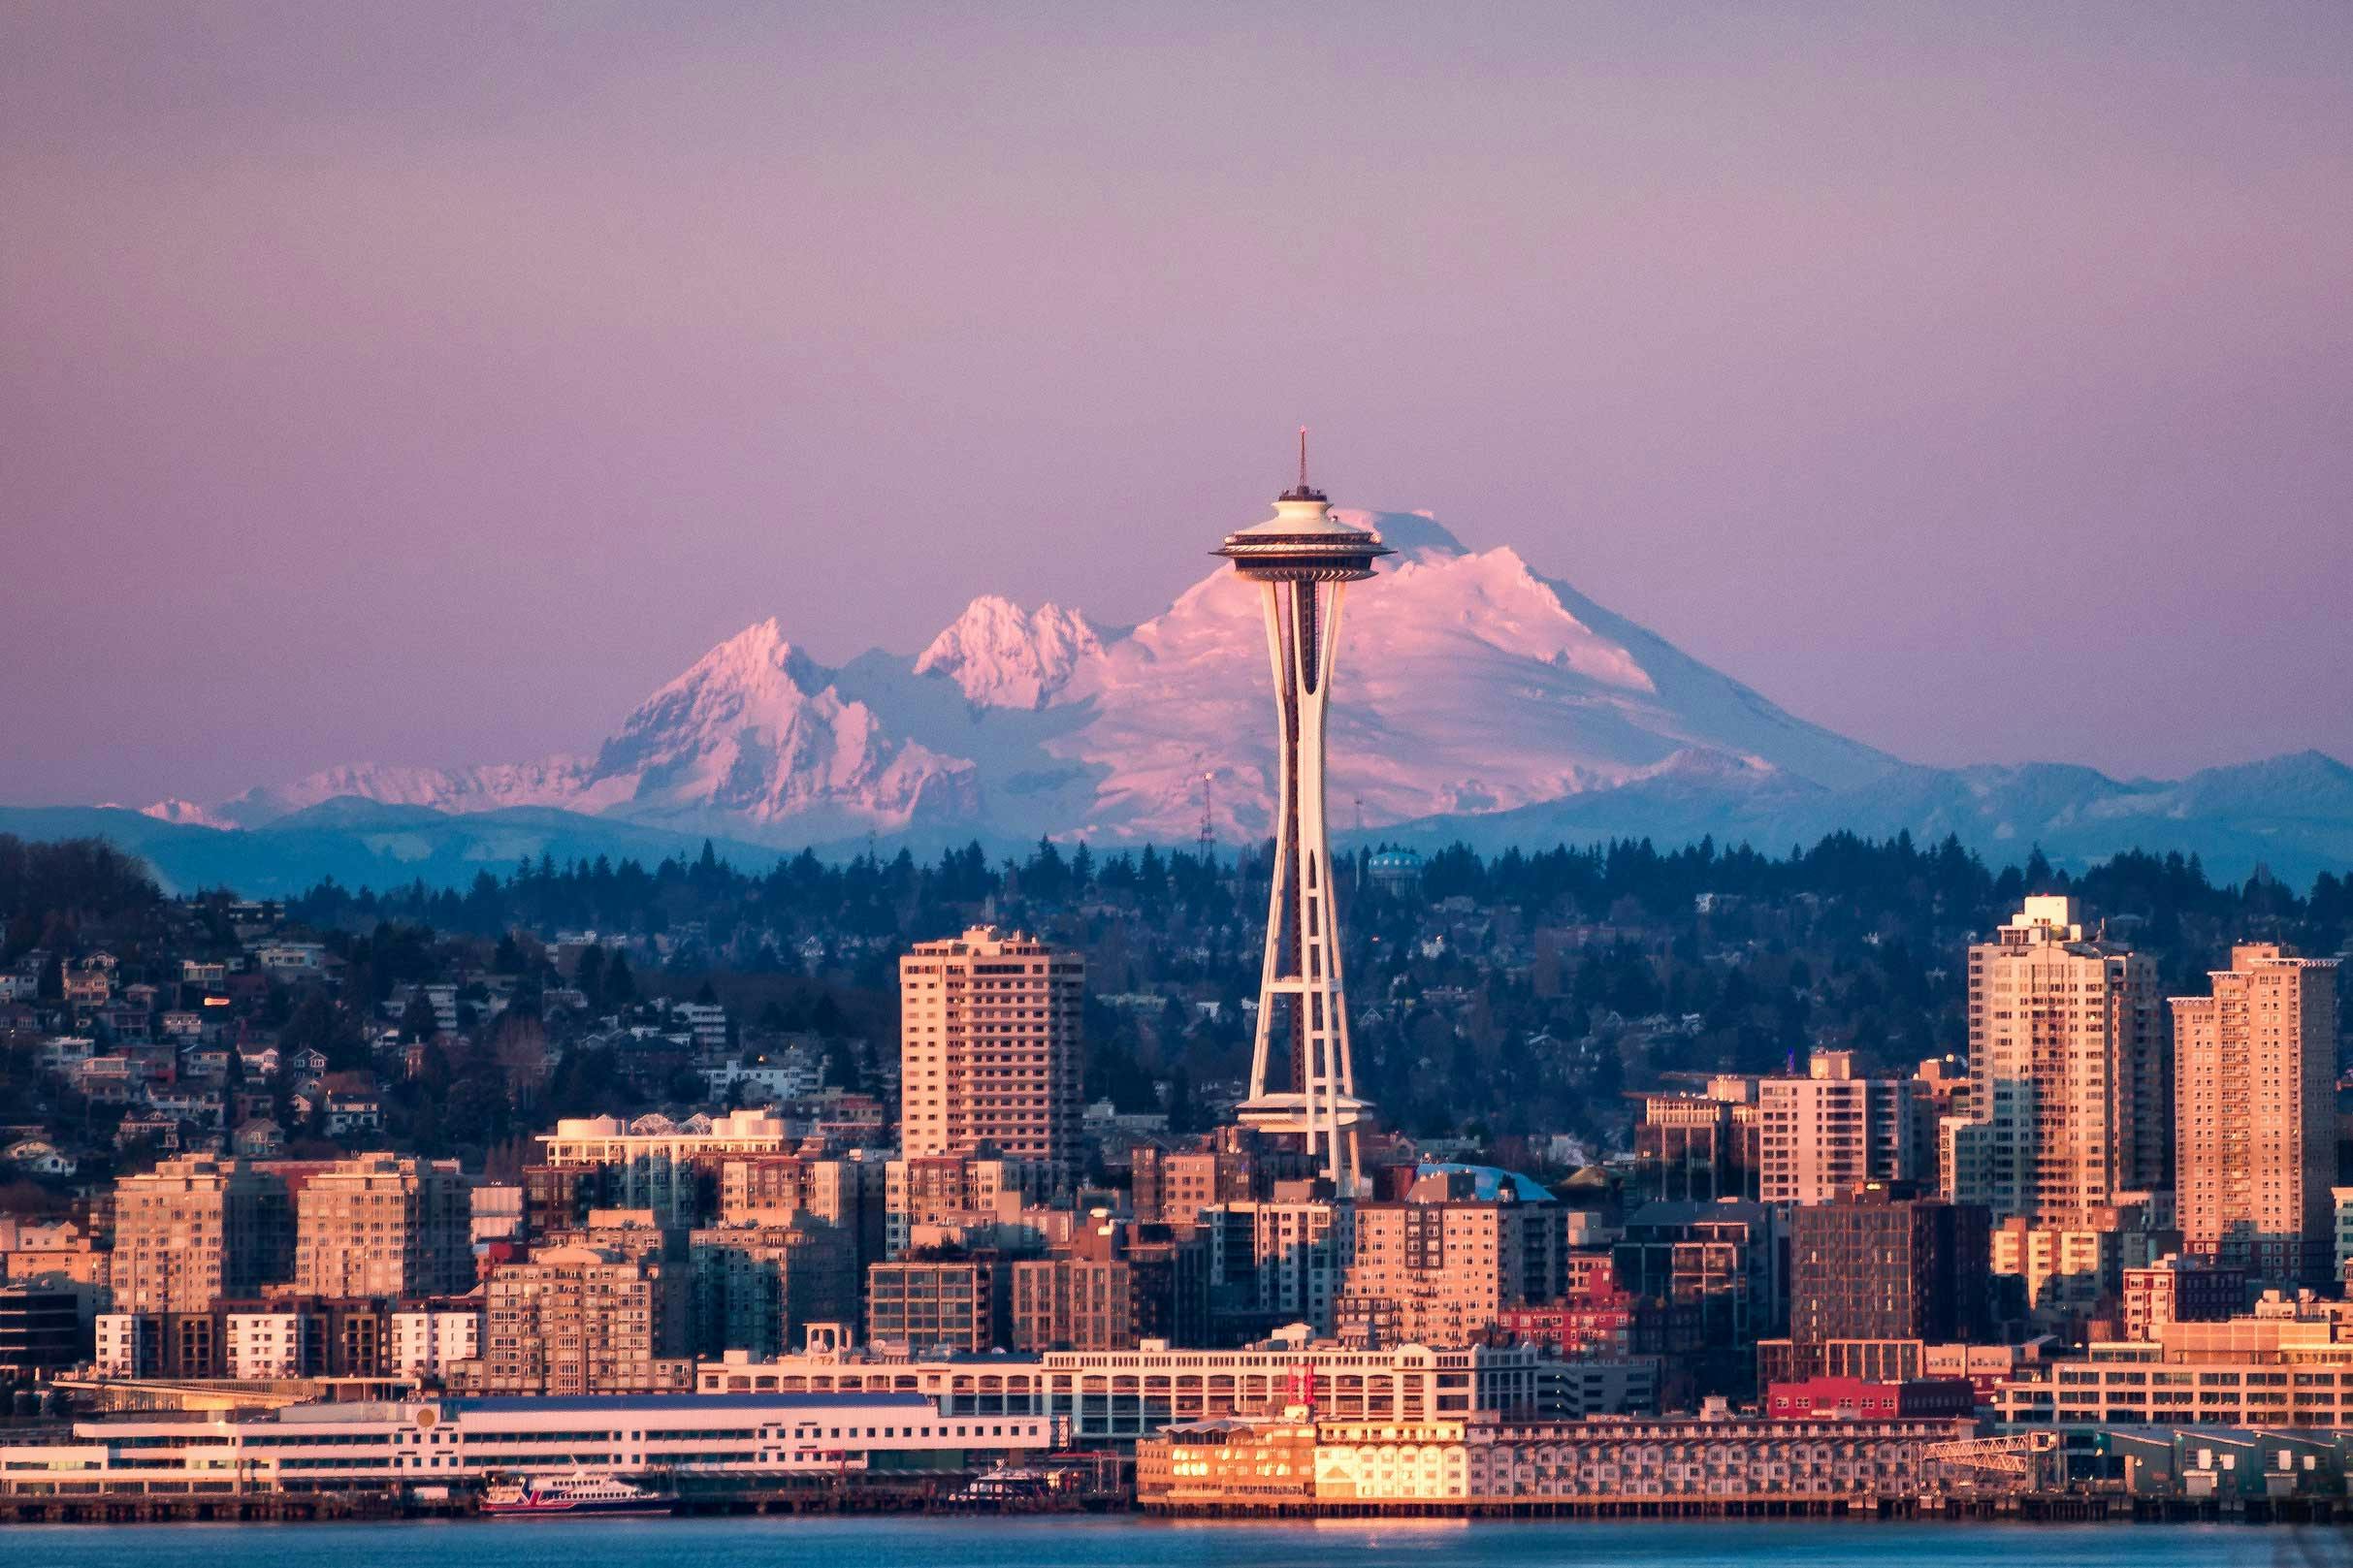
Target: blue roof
(1491,1181)
(597,1403)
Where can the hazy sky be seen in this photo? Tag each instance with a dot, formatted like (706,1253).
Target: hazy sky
(426,383)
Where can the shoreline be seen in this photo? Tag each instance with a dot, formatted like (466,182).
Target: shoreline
(2032,1510)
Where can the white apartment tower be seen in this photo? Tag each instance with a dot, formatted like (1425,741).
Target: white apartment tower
(1302,560)
(1830,1131)
(2255,1115)
(2067,1070)
(990,1055)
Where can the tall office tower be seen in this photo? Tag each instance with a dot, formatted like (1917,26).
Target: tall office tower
(2255,1119)
(381,1225)
(1829,1133)
(197,1230)
(2069,1087)
(988,1047)
(1303,559)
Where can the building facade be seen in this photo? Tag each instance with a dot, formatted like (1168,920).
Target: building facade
(1479,1462)
(2255,1115)
(578,1320)
(2070,1085)
(1074,1303)
(196,1231)
(384,1225)
(758,1287)
(942,1304)
(1444,1272)
(420,1442)
(989,1053)
(1830,1131)
(1116,1396)
(1880,1265)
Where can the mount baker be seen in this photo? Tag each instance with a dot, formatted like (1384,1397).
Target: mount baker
(1477,699)
(1472,686)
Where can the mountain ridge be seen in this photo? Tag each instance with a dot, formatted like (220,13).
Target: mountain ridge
(1476,698)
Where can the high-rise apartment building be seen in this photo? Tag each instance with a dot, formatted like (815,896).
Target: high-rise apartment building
(1830,1132)
(932,1193)
(2181,1289)
(2255,1115)
(385,1225)
(1441,1272)
(757,1287)
(990,1055)
(1701,1147)
(1880,1264)
(1278,1261)
(196,1229)
(1726,1261)
(2070,1090)
(648,1162)
(579,1320)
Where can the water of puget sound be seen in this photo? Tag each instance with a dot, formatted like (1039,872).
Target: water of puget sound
(1092,1542)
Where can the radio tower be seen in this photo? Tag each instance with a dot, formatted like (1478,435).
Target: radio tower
(1303,559)
(1208,835)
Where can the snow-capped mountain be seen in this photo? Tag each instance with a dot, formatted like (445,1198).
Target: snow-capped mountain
(1001,655)
(1476,697)
(1469,684)
(553,780)
(756,731)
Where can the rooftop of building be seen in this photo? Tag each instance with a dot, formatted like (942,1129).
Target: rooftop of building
(1489,1183)
(607,1404)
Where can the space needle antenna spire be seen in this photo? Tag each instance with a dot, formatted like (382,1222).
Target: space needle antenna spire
(1302,560)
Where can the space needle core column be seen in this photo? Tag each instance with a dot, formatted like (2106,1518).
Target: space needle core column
(1303,559)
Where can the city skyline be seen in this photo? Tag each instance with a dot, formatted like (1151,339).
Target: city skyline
(672,888)
(369,360)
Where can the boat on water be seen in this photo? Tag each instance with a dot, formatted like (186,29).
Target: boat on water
(582,1492)
(1004,1487)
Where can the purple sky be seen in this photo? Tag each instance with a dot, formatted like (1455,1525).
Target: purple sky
(426,383)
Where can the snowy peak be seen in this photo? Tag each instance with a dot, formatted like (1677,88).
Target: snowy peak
(1001,655)
(1493,597)
(1468,685)
(756,729)
(553,780)
(186,813)
(755,677)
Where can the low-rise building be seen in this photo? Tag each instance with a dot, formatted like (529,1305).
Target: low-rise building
(944,1304)
(1478,1461)
(426,1341)
(305,1448)
(2289,1364)
(1116,1397)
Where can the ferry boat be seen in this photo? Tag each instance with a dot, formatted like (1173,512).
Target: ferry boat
(582,1492)
(1005,1487)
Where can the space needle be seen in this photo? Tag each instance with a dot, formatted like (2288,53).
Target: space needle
(1302,560)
